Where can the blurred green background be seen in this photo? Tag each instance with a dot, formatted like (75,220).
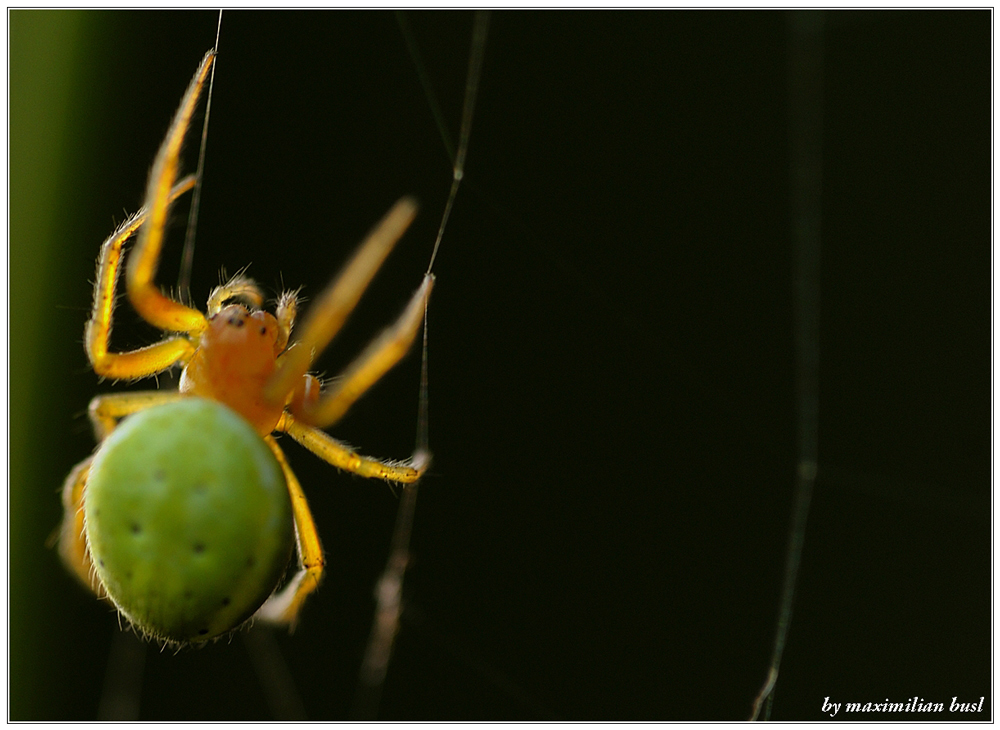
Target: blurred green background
(612,370)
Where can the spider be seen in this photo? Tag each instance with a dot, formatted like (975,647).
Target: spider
(142,523)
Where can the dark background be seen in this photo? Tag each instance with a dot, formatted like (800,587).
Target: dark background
(602,535)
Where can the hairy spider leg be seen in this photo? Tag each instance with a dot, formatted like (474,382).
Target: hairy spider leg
(378,357)
(335,303)
(145,361)
(283,607)
(157,309)
(72,540)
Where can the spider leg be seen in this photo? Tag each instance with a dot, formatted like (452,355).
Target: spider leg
(107,410)
(339,455)
(284,607)
(72,541)
(331,308)
(381,354)
(157,309)
(288,307)
(137,363)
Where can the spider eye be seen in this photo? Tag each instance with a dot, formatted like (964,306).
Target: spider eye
(233,315)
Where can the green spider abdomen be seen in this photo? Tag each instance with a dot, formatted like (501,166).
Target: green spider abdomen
(188,520)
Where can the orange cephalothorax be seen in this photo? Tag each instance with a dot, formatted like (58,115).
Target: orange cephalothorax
(236,356)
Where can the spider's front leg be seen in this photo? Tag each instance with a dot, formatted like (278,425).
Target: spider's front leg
(335,303)
(136,363)
(157,309)
(376,360)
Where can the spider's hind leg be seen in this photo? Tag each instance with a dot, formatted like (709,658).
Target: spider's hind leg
(283,607)
(71,539)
